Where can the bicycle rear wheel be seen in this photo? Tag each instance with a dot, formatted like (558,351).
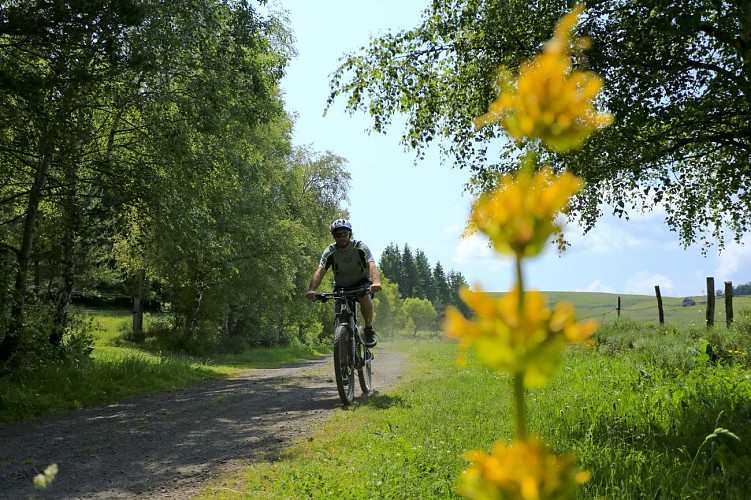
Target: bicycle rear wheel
(364,372)
(344,366)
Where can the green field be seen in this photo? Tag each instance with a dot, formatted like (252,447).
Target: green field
(602,307)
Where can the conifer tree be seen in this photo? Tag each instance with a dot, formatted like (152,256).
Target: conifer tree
(408,284)
(424,288)
(391,264)
(441,288)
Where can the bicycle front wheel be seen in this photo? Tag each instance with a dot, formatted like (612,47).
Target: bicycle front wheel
(364,372)
(344,366)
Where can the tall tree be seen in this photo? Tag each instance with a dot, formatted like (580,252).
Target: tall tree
(56,62)
(424,288)
(408,284)
(678,80)
(216,204)
(162,124)
(456,282)
(442,289)
(391,264)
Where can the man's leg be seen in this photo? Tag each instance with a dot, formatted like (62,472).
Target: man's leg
(366,307)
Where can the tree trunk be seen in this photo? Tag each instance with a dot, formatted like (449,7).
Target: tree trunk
(138,293)
(193,318)
(71,218)
(10,343)
(745,38)
(63,299)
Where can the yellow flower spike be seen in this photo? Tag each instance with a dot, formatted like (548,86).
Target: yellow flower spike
(523,469)
(526,343)
(519,216)
(548,100)
(567,23)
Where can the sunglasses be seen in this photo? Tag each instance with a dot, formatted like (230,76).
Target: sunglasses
(341,234)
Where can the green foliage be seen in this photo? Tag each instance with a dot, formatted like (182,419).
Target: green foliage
(429,287)
(420,314)
(743,289)
(391,263)
(408,286)
(36,352)
(676,79)
(389,308)
(425,287)
(650,422)
(153,137)
(415,279)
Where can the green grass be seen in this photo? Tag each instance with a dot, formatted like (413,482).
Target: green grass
(639,429)
(118,369)
(640,411)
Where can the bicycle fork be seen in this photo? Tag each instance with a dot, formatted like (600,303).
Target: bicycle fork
(353,346)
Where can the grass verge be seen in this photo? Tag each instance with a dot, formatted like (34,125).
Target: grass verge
(119,369)
(641,430)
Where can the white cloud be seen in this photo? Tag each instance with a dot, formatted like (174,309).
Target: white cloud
(598,286)
(733,263)
(453,230)
(605,238)
(643,283)
(474,251)
(471,249)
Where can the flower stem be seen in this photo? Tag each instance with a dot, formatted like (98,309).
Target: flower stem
(521,409)
(520,284)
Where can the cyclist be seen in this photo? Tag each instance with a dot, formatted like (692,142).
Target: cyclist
(354,267)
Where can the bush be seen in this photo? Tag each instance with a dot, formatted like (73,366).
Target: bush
(35,349)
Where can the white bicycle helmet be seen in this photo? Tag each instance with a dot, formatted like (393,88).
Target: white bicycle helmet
(341,224)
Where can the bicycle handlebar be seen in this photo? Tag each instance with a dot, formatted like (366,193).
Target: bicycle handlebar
(342,294)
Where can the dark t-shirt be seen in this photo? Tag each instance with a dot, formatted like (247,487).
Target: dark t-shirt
(350,265)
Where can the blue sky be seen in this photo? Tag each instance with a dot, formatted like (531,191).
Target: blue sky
(392,201)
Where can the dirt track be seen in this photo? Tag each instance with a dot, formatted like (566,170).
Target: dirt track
(167,445)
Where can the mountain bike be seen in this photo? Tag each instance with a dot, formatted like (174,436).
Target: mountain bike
(350,353)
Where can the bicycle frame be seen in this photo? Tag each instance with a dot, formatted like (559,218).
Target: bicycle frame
(346,313)
(358,357)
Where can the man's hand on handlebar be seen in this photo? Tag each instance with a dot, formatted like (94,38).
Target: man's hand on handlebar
(360,292)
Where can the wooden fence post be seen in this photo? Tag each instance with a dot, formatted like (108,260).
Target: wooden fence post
(710,301)
(660,311)
(728,303)
(618,308)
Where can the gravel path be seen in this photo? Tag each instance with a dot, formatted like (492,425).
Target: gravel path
(167,445)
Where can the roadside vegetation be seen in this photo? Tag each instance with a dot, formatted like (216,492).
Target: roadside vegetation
(650,411)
